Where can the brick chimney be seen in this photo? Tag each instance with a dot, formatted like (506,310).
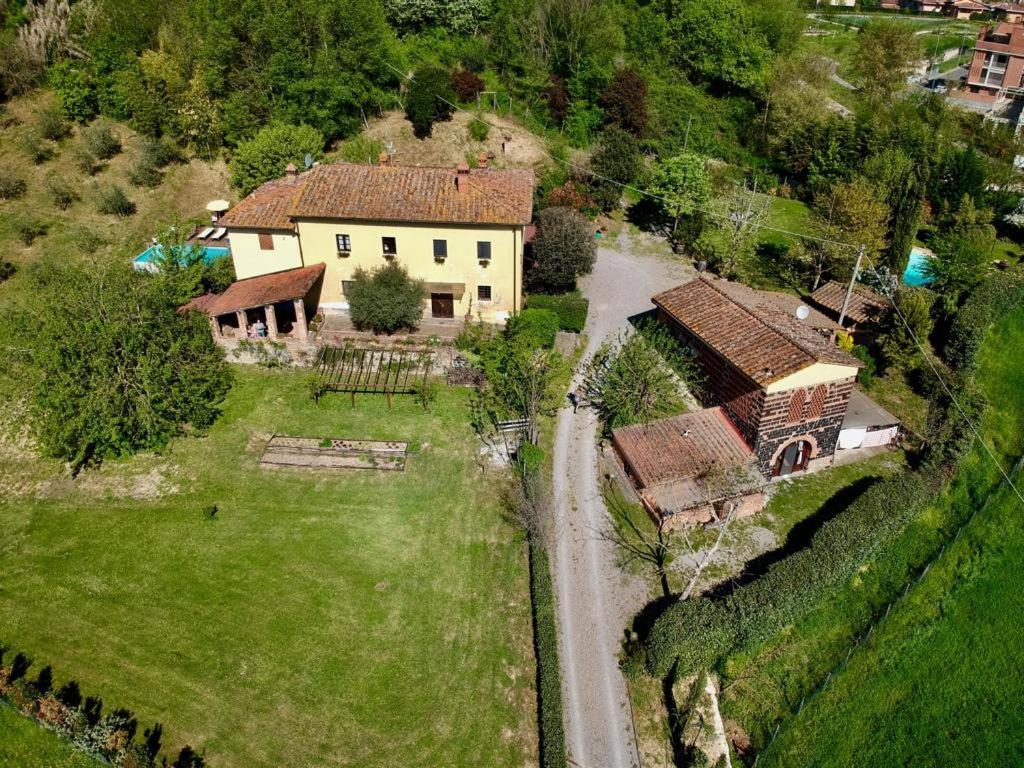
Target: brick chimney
(383,159)
(462,177)
(290,170)
(482,160)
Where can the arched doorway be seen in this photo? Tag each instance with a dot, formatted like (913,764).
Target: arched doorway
(794,458)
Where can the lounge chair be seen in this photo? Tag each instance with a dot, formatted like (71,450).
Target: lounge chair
(204,234)
(218,233)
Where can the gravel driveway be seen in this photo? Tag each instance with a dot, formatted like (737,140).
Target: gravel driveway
(596,599)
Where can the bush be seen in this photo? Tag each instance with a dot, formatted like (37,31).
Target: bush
(865,374)
(624,102)
(385,300)
(37,148)
(478,129)
(545,646)
(7,270)
(28,228)
(161,152)
(994,298)
(145,174)
(266,155)
(700,631)
(533,329)
(101,141)
(75,91)
(467,85)
(616,161)
(362,149)
(529,459)
(60,192)
(563,249)
(51,124)
(85,161)
(428,100)
(114,202)
(11,185)
(571,309)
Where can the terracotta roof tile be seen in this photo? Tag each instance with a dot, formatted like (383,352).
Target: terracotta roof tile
(681,447)
(416,194)
(267,207)
(749,329)
(266,289)
(865,306)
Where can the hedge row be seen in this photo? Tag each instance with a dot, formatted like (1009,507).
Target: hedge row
(571,308)
(700,631)
(545,645)
(994,298)
(110,737)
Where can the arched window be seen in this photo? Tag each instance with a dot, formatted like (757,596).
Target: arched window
(794,458)
(818,398)
(796,407)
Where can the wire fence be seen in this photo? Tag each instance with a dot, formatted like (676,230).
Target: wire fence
(865,636)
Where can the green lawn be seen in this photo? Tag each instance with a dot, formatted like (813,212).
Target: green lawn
(940,682)
(357,618)
(23,744)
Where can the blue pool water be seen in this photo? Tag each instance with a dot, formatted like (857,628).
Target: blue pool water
(915,274)
(148,258)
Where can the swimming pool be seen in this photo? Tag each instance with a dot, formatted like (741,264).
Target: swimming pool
(147,260)
(914,274)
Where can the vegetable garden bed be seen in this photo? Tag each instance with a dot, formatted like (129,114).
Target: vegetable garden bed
(334,453)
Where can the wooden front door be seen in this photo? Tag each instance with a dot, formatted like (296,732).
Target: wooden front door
(442,305)
(793,459)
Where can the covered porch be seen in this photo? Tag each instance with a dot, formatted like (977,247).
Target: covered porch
(267,307)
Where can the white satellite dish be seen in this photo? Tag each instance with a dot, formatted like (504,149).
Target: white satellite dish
(803,312)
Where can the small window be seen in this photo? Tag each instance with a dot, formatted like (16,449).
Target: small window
(344,243)
(483,250)
(483,293)
(389,246)
(266,241)
(440,249)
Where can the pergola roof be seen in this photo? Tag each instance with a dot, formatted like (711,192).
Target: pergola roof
(266,289)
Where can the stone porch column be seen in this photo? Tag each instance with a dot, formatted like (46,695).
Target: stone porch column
(215,327)
(271,321)
(301,327)
(243,322)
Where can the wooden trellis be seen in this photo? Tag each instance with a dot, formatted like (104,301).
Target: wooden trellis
(372,371)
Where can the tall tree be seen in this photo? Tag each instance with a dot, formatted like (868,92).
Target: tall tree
(683,187)
(563,249)
(267,154)
(617,160)
(850,212)
(624,101)
(429,100)
(886,53)
(720,42)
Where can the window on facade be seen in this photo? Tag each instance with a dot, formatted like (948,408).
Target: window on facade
(483,250)
(818,398)
(266,241)
(796,407)
(344,243)
(483,293)
(440,249)
(389,246)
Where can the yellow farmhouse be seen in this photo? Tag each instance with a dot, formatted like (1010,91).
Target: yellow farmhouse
(459,230)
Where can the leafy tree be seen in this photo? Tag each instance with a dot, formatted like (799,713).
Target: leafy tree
(563,249)
(460,16)
(897,342)
(198,119)
(960,173)
(76,93)
(958,266)
(183,268)
(385,300)
(624,101)
(533,328)
(683,186)
(719,41)
(795,106)
(557,98)
(886,53)
(114,202)
(467,84)
(265,156)
(429,100)
(119,368)
(616,159)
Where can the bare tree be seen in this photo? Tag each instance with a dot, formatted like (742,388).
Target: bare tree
(743,214)
(527,504)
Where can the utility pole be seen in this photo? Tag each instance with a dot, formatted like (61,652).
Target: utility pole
(686,139)
(849,288)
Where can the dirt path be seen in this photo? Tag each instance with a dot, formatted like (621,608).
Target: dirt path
(596,599)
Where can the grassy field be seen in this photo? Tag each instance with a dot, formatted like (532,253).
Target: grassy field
(23,744)
(940,683)
(359,618)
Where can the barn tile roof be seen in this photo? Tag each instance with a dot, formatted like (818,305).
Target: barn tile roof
(865,306)
(266,207)
(749,329)
(266,289)
(681,447)
(416,194)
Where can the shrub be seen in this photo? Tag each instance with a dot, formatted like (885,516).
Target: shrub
(28,228)
(571,309)
(616,161)
(362,149)
(624,102)
(574,195)
(266,155)
(11,185)
(994,298)
(51,124)
(529,459)
(700,631)
(563,249)
(545,646)
(36,147)
(114,202)
(145,174)
(865,374)
(101,141)
(75,91)
(7,270)
(478,129)
(428,100)
(467,85)
(85,161)
(385,300)
(161,152)
(533,329)
(61,193)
